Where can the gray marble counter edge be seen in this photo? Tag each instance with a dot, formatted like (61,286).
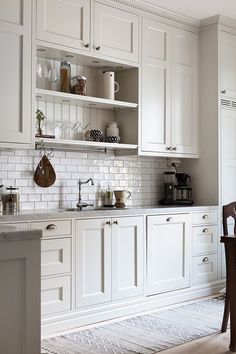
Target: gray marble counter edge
(38,215)
(18,235)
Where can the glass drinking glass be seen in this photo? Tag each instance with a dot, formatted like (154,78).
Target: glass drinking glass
(42,71)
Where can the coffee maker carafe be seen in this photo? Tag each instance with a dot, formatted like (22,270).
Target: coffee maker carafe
(183,190)
(169,188)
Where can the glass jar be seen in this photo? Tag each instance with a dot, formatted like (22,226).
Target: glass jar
(65,75)
(12,200)
(79,85)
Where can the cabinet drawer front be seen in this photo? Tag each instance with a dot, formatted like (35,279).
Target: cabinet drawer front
(204,269)
(55,295)
(205,239)
(167,218)
(53,227)
(55,256)
(208,217)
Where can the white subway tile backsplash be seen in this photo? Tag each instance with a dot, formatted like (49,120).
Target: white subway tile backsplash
(141,175)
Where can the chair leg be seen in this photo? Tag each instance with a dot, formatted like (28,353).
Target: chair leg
(226,315)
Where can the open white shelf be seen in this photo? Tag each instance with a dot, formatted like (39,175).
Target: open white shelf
(83,145)
(86,101)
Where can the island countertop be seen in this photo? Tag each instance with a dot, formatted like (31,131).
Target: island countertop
(11,233)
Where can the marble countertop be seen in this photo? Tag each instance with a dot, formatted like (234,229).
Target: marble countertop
(89,212)
(11,233)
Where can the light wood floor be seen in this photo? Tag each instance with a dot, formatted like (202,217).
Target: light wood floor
(214,344)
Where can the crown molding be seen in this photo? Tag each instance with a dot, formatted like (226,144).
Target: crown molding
(145,7)
(219,20)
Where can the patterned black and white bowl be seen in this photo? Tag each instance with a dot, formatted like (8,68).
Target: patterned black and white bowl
(113,139)
(96,135)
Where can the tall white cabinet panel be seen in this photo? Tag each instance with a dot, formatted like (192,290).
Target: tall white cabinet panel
(127,257)
(93,262)
(168,252)
(156,86)
(169,116)
(228,154)
(115,32)
(227,63)
(15,72)
(184,92)
(64,22)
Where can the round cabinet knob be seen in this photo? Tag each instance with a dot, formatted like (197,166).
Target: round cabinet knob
(168,148)
(115,222)
(205,230)
(169,219)
(205,217)
(108,223)
(223,91)
(205,259)
(97,47)
(51,227)
(174,148)
(86,45)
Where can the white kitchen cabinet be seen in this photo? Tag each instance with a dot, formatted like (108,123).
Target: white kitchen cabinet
(227,64)
(205,247)
(15,72)
(127,257)
(93,262)
(168,252)
(109,259)
(169,117)
(64,22)
(115,32)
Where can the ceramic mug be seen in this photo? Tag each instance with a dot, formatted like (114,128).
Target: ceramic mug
(108,85)
(121,197)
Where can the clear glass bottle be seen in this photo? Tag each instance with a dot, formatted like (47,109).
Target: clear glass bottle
(109,197)
(79,85)
(65,76)
(12,200)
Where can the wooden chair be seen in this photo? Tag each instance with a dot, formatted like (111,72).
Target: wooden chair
(229,210)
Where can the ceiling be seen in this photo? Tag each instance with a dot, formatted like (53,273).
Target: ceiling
(197,9)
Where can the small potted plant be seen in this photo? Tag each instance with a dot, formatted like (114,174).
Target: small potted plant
(40,117)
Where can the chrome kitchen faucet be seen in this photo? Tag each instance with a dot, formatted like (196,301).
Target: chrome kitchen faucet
(80,205)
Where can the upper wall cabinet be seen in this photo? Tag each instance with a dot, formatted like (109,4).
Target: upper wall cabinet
(64,22)
(115,32)
(111,32)
(169,121)
(227,63)
(15,72)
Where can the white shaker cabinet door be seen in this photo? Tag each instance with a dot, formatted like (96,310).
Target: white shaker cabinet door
(64,22)
(228,64)
(156,87)
(168,252)
(15,72)
(184,92)
(115,32)
(93,262)
(127,257)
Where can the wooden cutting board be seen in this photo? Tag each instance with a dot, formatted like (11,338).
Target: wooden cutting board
(44,175)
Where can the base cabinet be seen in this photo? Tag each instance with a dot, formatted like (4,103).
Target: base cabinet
(109,259)
(168,252)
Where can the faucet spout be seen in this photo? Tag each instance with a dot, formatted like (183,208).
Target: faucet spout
(80,205)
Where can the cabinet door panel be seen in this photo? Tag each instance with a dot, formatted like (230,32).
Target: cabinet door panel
(184,92)
(93,262)
(115,32)
(127,257)
(15,72)
(64,22)
(168,253)
(156,86)
(227,64)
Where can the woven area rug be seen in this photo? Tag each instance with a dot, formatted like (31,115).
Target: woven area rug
(144,334)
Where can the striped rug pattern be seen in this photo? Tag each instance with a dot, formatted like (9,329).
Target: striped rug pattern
(144,334)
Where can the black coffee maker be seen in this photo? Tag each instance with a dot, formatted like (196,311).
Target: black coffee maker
(183,190)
